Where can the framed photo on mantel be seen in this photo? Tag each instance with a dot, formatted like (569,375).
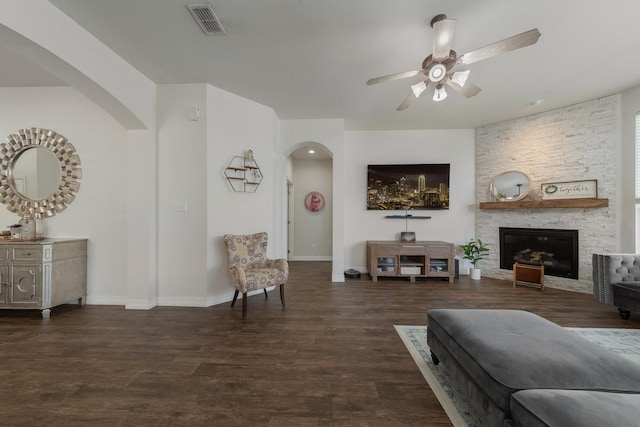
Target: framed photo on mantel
(570,190)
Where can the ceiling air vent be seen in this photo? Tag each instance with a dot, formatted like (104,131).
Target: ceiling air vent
(207,19)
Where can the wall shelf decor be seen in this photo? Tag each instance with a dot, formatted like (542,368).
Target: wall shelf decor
(243,173)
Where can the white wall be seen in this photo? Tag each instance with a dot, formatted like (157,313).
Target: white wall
(182,182)
(234,125)
(312,230)
(192,157)
(455,225)
(97,213)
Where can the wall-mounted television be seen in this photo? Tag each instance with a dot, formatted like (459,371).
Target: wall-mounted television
(408,186)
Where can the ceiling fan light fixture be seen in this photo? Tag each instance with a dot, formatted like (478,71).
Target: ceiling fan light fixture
(418,88)
(460,77)
(440,64)
(437,73)
(439,94)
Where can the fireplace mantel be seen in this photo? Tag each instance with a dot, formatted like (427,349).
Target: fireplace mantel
(547,204)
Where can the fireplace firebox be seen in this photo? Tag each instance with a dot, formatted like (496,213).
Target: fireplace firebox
(556,249)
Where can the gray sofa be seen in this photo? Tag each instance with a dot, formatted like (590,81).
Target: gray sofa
(616,281)
(573,408)
(518,369)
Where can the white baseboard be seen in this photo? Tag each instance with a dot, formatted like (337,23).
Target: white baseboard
(98,300)
(141,304)
(182,302)
(337,278)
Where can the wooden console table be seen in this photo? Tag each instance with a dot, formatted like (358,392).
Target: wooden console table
(410,259)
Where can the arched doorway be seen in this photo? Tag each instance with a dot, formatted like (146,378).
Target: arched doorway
(310,203)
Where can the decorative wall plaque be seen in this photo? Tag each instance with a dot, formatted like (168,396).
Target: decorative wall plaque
(314,201)
(570,190)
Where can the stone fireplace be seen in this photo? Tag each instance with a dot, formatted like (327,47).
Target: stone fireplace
(578,142)
(555,249)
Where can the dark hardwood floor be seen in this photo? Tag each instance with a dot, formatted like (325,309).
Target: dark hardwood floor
(332,358)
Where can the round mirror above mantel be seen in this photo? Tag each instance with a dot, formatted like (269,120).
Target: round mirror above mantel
(39,172)
(510,186)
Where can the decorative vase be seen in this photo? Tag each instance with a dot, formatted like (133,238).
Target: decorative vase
(474,274)
(28,229)
(15,231)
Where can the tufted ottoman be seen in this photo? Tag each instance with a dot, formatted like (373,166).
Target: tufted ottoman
(616,281)
(574,408)
(626,296)
(492,354)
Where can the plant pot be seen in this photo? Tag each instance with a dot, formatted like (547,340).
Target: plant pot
(474,274)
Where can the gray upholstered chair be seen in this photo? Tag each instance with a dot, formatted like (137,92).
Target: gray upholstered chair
(616,281)
(250,268)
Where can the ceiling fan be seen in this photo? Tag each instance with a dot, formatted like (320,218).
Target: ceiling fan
(445,68)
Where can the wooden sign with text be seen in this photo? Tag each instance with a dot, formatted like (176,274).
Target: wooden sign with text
(570,190)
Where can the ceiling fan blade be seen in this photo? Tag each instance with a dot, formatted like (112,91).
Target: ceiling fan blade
(395,76)
(468,90)
(512,43)
(443,31)
(407,101)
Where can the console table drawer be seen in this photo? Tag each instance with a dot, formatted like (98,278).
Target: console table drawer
(26,253)
(412,250)
(386,251)
(440,251)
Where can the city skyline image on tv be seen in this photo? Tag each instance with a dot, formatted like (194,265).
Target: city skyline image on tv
(408,187)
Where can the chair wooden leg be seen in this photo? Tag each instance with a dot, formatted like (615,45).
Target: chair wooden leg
(244,306)
(265,293)
(282,294)
(235,297)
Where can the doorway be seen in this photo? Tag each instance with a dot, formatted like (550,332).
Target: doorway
(310,204)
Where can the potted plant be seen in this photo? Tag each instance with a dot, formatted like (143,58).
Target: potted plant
(474,251)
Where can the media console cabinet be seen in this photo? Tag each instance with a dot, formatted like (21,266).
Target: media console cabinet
(42,274)
(410,259)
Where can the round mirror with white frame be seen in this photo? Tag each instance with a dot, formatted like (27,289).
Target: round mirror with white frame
(510,186)
(39,172)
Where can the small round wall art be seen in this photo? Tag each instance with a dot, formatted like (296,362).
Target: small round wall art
(314,201)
